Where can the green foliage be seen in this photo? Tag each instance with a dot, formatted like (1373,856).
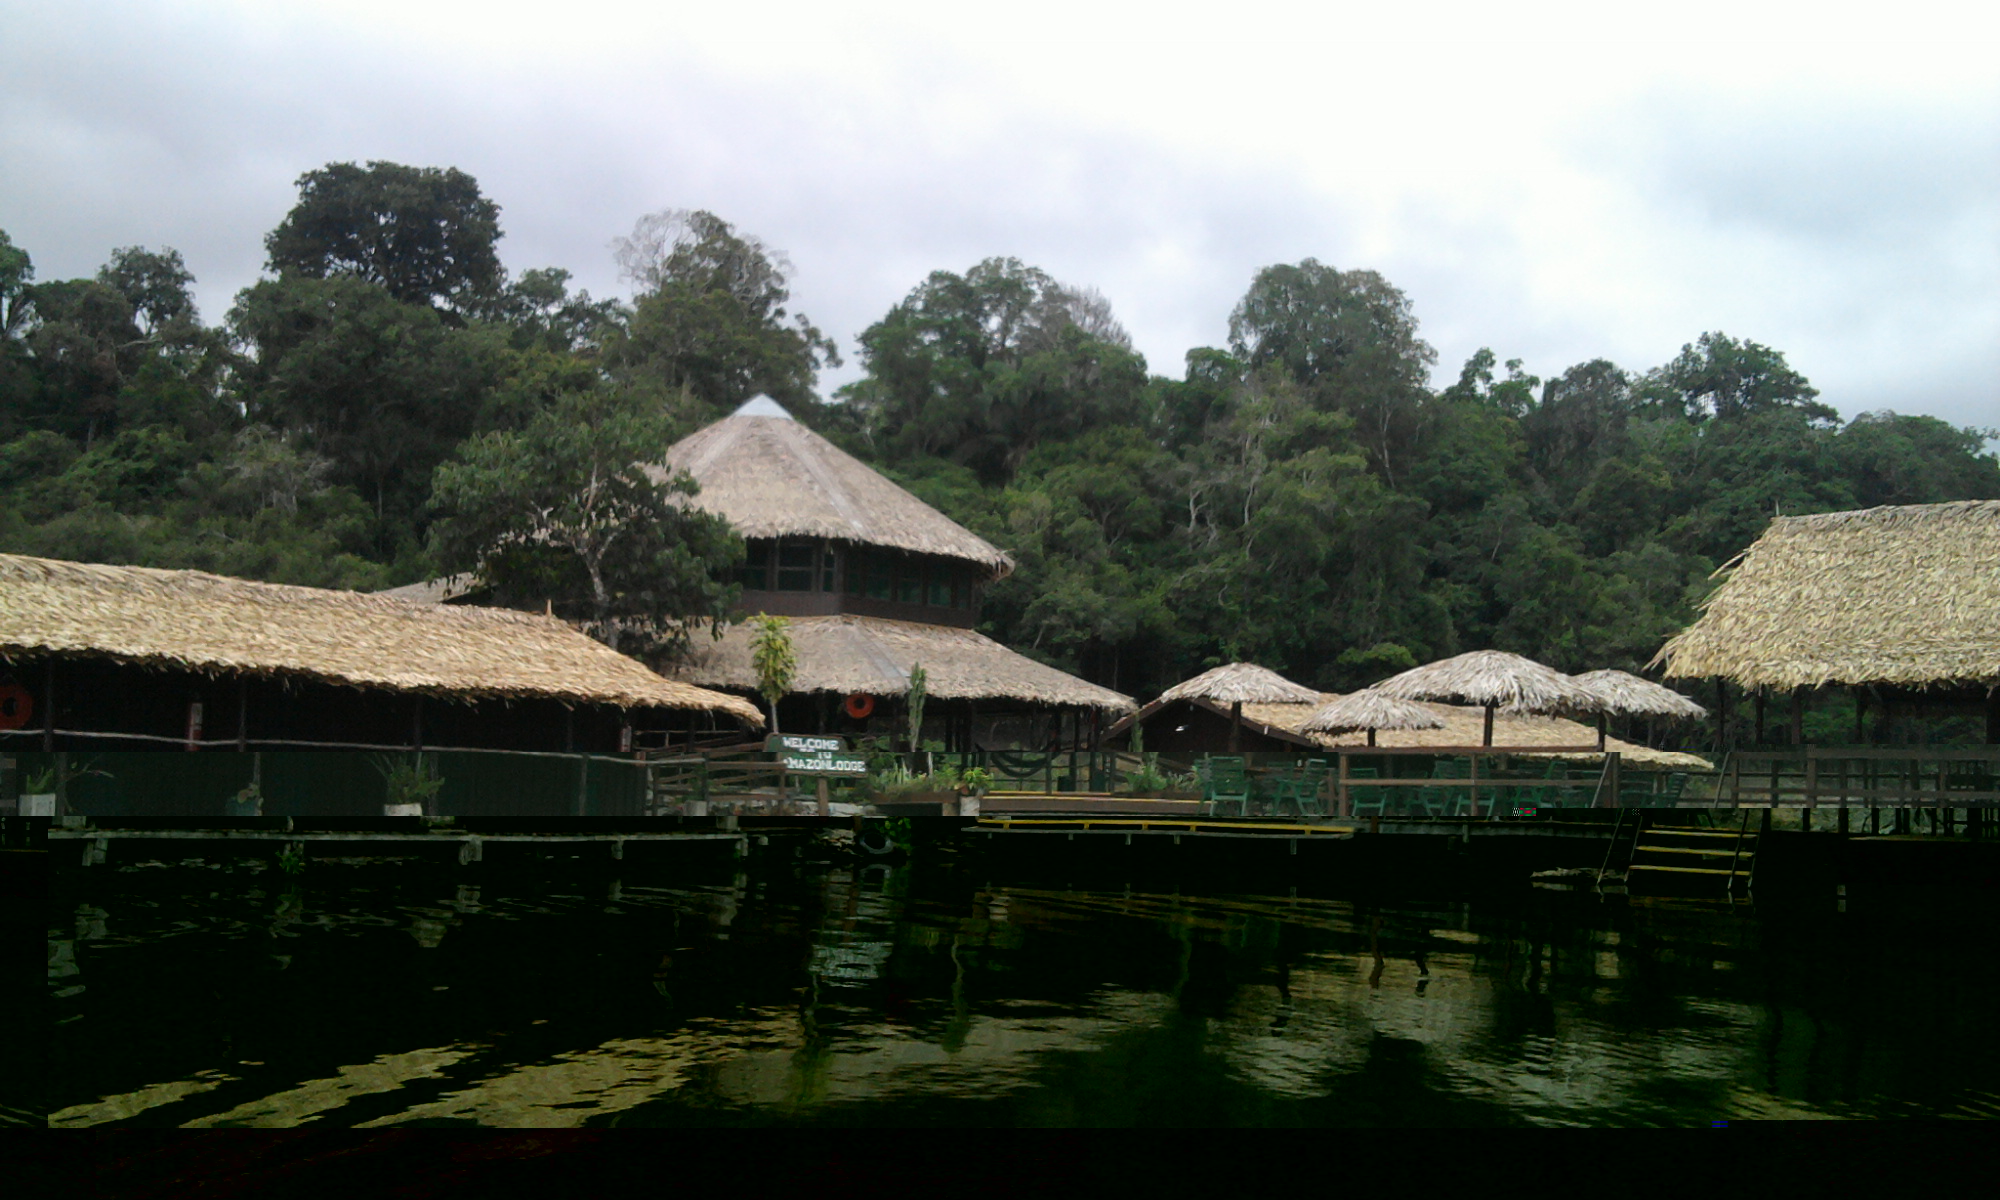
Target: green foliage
(409,778)
(423,235)
(774,659)
(563,512)
(913,702)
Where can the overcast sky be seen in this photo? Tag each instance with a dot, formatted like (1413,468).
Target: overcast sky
(1557,181)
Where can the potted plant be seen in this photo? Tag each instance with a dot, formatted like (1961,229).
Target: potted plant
(38,794)
(247,803)
(412,780)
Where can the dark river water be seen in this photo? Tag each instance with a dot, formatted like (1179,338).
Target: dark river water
(370,995)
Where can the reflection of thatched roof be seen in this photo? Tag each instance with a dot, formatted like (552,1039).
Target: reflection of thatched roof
(847,654)
(1521,685)
(772,477)
(1463,727)
(1903,595)
(1627,695)
(1240,683)
(1369,709)
(190,620)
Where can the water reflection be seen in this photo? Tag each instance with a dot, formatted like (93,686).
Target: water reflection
(372,997)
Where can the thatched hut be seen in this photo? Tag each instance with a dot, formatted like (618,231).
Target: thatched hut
(126,657)
(1494,679)
(1901,603)
(1461,726)
(1181,721)
(875,582)
(1371,712)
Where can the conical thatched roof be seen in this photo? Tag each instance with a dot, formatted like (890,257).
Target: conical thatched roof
(1241,683)
(1370,709)
(190,620)
(849,654)
(1509,681)
(772,477)
(1627,695)
(1463,726)
(1904,595)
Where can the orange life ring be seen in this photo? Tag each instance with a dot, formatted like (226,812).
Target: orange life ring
(858,705)
(17,705)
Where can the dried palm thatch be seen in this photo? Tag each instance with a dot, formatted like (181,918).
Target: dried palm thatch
(1237,684)
(190,620)
(1626,695)
(849,654)
(1241,683)
(772,477)
(1493,678)
(1461,726)
(1369,710)
(1905,595)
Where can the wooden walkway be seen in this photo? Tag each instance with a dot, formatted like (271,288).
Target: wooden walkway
(96,843)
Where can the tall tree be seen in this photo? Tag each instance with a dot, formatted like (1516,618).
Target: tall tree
(710,315)
(562,511)
(424,235)
(986,366)
(1350,339)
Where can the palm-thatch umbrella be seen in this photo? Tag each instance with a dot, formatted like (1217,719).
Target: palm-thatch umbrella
(1370,710)
(1627,695)
(1493,679)
(1238,684)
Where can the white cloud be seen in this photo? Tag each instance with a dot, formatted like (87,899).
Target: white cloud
(1558,181)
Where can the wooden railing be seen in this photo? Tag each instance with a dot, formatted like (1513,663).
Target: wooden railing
(1863,776)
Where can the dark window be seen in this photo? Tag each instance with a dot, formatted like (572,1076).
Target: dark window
(941,580)
(879,579)
(798,565)
(754,574)
(829,570)
(909,582)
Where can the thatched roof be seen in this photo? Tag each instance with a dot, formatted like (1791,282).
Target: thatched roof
(1901,595)
(1369,709)
(1627,695)
(1240,683)
(190,620)
(848,654)
(1463,725)
(1519,685)
(772,477)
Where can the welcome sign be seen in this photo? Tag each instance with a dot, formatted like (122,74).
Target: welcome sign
(803,755)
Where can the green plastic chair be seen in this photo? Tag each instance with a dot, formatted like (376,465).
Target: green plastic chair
(1227,783)
(1367,801)
(1301,788)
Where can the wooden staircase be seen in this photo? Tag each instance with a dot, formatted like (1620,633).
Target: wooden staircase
(1662,853)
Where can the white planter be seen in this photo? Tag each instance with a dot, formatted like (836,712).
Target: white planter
(42,804)
(968,806)
(402,810)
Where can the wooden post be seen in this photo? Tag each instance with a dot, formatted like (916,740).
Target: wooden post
(49,705)
(1993,716)
(1721,714)
(1861,714)
(1235,726)
(823,798)
(194,725)
(1487,738)
(1613,760)
(1757,716)
(242,714)
(1601,718)
(1346,806)
(1798,716)
(1474,789)
(417,725)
